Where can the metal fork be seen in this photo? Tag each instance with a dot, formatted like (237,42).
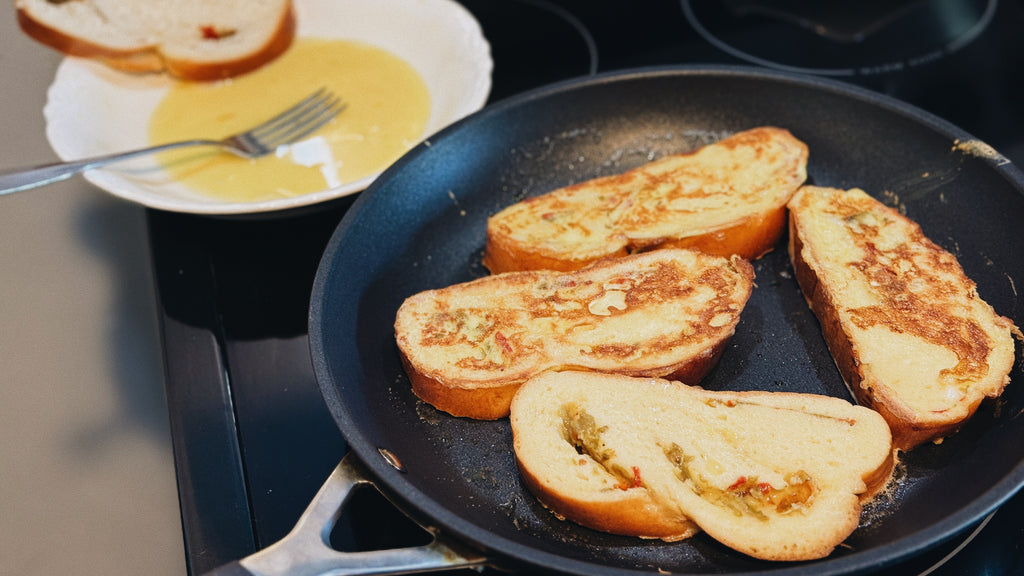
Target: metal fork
(291,125)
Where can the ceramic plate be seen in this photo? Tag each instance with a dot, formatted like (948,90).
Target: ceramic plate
(93,110)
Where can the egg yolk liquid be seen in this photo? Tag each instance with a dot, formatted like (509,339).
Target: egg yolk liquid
(387,108)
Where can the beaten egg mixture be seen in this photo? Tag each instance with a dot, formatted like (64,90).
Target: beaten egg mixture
(387,108)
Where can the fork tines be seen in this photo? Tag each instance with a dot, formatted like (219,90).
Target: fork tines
(300,120)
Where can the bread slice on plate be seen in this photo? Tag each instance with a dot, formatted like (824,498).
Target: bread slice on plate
(191,39)
(774,475)
(905,325)
(467,348)
(727,198)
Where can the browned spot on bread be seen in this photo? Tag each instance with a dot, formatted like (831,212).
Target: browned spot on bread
(726,198)
(906,326)
(661,313)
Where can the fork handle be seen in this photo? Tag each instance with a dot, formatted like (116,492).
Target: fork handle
(18,179)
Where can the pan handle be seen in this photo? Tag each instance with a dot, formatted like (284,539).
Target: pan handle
(306,550)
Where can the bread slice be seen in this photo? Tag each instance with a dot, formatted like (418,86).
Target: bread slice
(726,198)
(905,325)
(191,39)
(468,347)
(774,475)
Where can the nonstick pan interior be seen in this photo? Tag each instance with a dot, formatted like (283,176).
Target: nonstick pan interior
(422,225)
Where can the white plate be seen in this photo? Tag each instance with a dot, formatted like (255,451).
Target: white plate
(92,109)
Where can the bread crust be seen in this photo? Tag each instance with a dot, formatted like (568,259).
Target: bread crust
(630,512)
(749,238)
(73,45)
(276,44)
(478,402)
(910,428)
(470,400)
(502,254)
(153,59)
(738,186)
(467,348)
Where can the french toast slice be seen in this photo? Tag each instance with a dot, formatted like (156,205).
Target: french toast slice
(466,348)
(727,198)
(774,475)
(906,327)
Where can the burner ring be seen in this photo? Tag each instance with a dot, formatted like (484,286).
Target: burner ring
(800,37)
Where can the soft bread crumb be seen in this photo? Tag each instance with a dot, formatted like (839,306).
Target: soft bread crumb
(191,39)
(777,476)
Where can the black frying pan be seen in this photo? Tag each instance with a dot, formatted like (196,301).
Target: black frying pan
(421,225)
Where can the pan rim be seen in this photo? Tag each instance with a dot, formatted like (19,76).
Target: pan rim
(422,506)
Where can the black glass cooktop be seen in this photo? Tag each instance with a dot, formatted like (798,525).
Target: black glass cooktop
(253,440)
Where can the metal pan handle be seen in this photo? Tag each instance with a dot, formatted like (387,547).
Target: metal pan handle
(306,550)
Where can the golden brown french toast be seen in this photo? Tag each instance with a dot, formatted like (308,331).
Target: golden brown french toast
(905,325)
(725,198)
(467,348)
(775,475)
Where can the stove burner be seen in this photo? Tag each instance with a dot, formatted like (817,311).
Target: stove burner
(557,45)
(836,38)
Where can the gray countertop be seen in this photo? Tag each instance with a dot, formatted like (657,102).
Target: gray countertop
(87,481)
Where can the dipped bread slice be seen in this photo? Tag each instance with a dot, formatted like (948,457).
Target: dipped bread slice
(190,39)
(725,198)
(774,475)
(910,334)
(468,347)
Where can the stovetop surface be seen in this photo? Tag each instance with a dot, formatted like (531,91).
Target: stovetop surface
(253,440)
